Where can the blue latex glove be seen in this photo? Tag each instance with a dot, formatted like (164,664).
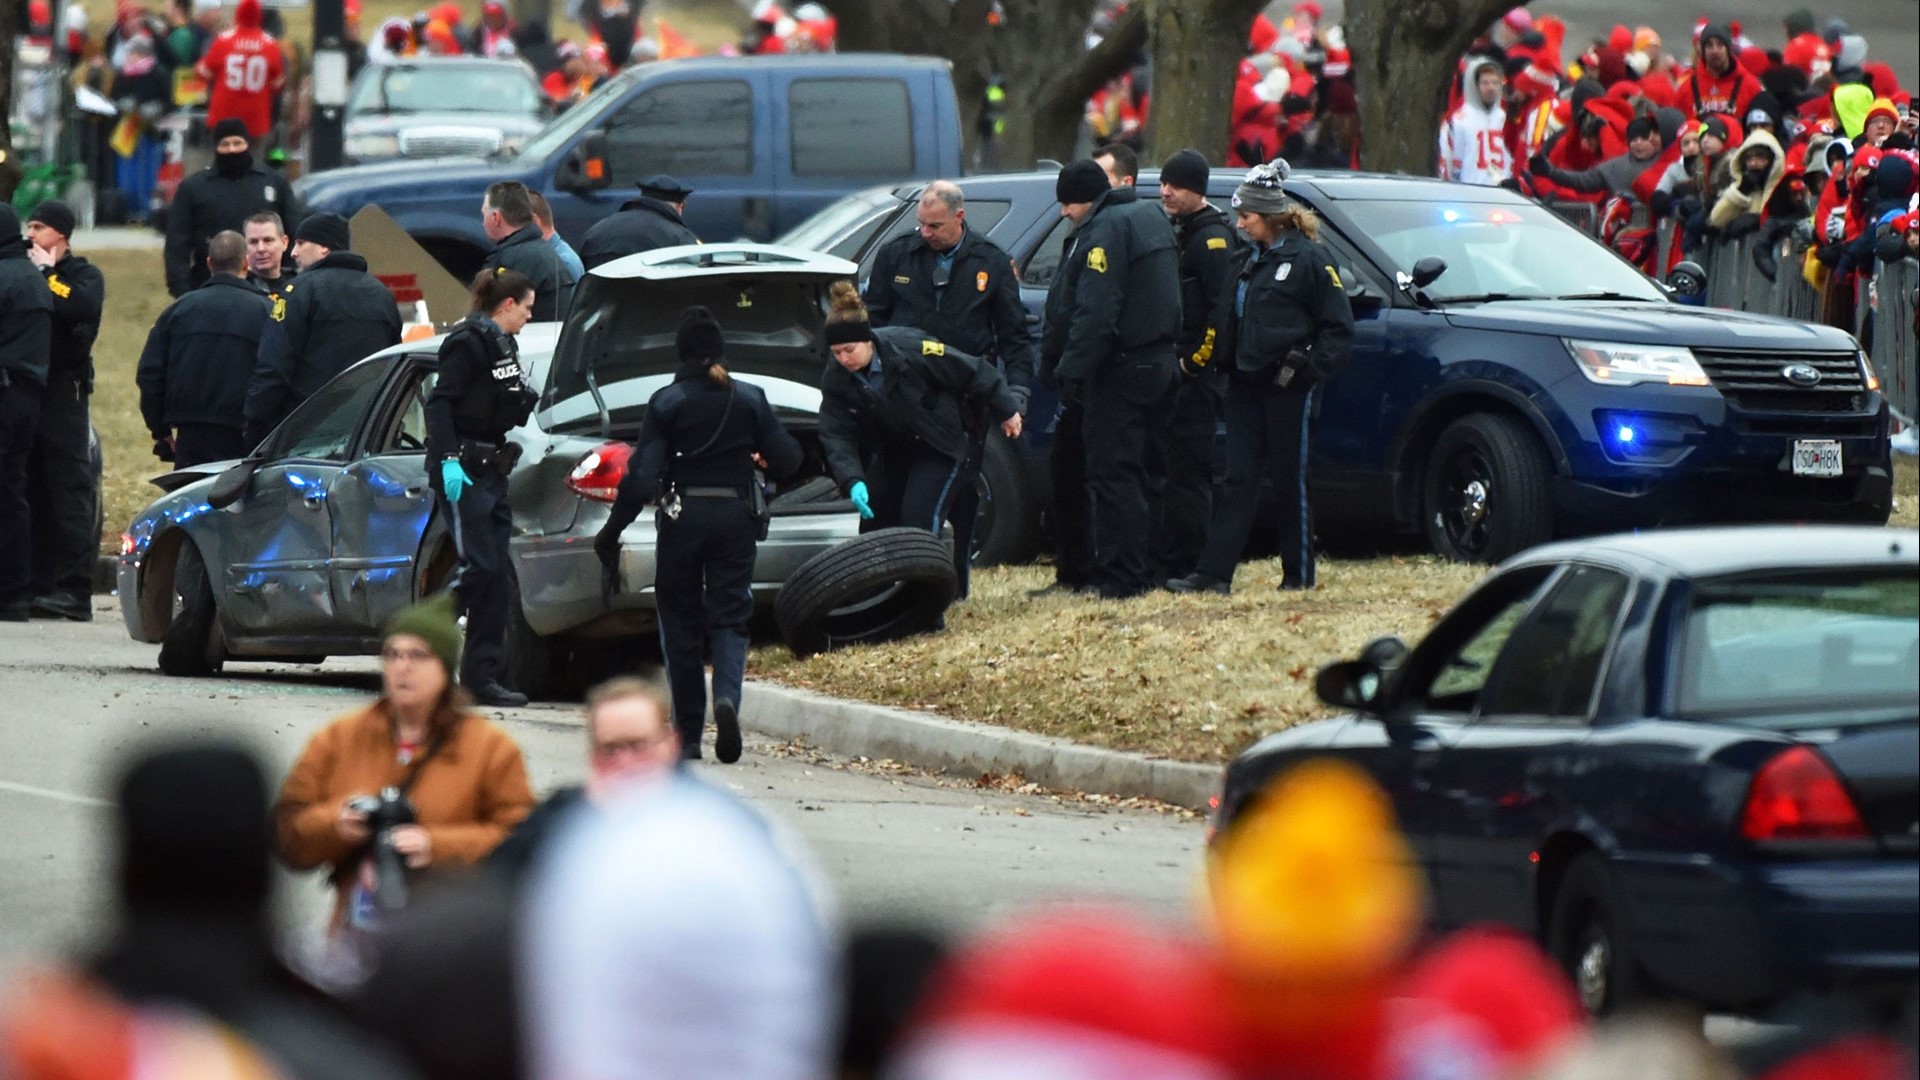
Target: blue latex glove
(454,479)
(858,493)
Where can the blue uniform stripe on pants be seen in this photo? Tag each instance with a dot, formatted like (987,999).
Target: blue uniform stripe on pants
(940,504)
(1306,530)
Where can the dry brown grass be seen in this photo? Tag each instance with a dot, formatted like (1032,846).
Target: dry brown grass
(136,294)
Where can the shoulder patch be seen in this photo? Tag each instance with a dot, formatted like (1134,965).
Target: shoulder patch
(279,312)
(60,288)
(1335,275)
(1097,260)
(1216,243)
(930,347)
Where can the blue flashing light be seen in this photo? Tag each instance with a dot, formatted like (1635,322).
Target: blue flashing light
(1625,434)
(1450,216)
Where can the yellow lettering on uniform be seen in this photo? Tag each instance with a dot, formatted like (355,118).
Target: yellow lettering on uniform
(1097,260)
(1216,243)
(60,288)
(1335,275)
(902,279)
(930,347)
(279,309)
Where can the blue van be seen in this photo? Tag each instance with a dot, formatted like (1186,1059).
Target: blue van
(763,142)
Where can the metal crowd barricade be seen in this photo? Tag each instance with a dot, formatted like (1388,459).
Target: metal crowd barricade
(1728,268)
(1892,297)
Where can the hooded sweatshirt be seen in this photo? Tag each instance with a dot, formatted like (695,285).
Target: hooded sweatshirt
(1473,145)
(244,68)
(1733,202)
(1850,105)
(1704,91)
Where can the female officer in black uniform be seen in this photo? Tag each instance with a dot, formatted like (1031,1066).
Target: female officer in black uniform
(479,396)
(695,457)
(1285,326)
(891,415)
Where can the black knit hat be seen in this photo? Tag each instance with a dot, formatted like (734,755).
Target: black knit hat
(699,336)
(228,128)
(1081,181)
(194,837)
(330,231)
(848,331)
(55,215)
(1186,170)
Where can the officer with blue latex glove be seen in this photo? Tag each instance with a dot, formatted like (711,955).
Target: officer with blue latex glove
(480,396)
(858,494)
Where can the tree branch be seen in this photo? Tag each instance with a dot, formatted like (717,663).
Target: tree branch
(1100,64)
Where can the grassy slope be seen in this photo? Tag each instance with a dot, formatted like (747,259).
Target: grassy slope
(1187,677)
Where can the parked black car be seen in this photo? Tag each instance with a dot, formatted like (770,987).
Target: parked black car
(1688,762)
(1513,380)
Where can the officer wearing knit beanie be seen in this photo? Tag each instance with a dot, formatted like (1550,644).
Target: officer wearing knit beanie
(218,199)
(695,459)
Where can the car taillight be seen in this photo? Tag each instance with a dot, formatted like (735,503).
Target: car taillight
(598,475)
(1797,796)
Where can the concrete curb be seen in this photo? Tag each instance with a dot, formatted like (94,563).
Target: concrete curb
(857,729)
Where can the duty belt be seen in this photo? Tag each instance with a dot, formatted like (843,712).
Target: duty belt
(486,455)
(711,492)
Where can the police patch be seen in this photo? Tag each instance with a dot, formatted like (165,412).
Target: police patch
(930,347)
(1097,260)
(279,312)
(1335,275)
(1216,243)
(980,281)
(1283,272)
(60,288)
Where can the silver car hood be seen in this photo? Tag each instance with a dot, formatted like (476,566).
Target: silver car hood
(488,123)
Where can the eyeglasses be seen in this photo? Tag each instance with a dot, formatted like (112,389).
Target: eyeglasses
(416,656)
(614,748)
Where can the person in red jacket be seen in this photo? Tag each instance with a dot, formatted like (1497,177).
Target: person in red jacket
(1717,84)
(244,68)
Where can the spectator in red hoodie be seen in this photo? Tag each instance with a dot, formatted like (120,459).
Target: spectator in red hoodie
(1717,84)
(245,71)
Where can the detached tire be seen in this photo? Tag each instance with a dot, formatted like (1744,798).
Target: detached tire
(884,586)
(1006,527)
(192,644)
(818,489)
(1485,494)
(1586,937)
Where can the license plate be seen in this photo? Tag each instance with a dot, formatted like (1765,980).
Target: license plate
(1816,457)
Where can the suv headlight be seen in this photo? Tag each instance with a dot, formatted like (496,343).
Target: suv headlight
(1867,373)
(1614,364)
(373,146)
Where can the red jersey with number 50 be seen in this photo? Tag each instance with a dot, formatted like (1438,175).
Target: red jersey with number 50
(243,69)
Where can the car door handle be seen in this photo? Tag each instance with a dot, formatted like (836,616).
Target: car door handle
(417,492)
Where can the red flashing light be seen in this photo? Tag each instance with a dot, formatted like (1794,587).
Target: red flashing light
(1798,796)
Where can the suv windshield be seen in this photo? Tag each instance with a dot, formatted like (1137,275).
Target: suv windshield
(1783,646)
(408,88)
(551,138)
(1499,251)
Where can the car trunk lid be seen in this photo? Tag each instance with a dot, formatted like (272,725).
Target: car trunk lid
(1880,765)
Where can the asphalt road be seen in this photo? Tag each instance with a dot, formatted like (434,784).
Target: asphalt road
(76,699)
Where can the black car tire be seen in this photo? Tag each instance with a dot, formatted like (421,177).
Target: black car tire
(529,659)
(1485,494)
(817,490)
(192,644)
(1006,527)
(1587,938)
(883,586)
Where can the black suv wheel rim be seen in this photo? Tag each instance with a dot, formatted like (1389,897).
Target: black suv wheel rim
(1465,511)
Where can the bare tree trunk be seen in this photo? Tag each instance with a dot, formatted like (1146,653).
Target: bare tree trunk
(1060,102)
(10,169)
(1197,46)
(1406,53)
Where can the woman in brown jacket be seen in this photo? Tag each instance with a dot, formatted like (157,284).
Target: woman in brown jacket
(464,777)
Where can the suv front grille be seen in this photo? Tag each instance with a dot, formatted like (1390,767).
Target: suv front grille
(1756,383)
(449,142)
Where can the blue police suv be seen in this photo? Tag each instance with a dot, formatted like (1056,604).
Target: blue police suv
(1513,380)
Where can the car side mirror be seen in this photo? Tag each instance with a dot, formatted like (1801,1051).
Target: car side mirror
(230,486)
(1687,279)
(1427,271)
(585,167)
(1350,684)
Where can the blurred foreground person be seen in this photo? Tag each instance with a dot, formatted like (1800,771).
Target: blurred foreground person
(673,936)
(415,775)
(630,738)
(885,972)
(1645,1047)
(1484,1002)
(190,966)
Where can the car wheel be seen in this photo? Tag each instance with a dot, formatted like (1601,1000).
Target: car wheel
(886,585)
(1005,526)
(1586,937)
(192,644)
(530,658)
(819,489)
(1486,490)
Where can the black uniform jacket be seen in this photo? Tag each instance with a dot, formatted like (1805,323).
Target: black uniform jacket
(26,315)
(1295,298)
(683,416)
(528,252)
(335,315)
(1113,312)
(926,391)
(200,355)
(1206,254)
(275,288)
(79,292)
(642,224)
(978,312)
(208,203)
(474,392)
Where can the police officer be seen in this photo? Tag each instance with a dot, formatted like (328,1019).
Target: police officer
(506,213)
(1113,317)
(651,221)
(956,286)
(1284,328)
(479,396)
(217,199)
(193,371)
(66,535)
(1184,437)
(26,345)
(696,457)
(334,316)
(893,411)
(267,259)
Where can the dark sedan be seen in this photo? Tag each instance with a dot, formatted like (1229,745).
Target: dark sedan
(1688,762)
